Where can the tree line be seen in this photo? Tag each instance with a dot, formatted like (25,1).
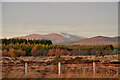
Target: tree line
(14,41)
(22,47)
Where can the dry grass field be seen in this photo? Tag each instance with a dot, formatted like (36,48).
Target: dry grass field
(71,67)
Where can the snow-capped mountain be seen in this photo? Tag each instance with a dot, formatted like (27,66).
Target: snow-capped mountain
(54,37)
(68,39)
(64,34)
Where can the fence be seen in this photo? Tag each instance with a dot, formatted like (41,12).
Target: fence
(61,69)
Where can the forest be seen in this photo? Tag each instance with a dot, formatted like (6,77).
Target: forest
(23,47)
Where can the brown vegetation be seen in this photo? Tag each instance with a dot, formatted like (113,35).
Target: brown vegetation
(71,66)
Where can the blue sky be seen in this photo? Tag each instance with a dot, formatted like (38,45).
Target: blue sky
(85,19)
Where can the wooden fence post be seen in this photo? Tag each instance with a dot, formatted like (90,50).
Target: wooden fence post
(59,68)
(26,68)
(94,68)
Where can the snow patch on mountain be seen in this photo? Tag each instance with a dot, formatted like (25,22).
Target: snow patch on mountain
(64,34)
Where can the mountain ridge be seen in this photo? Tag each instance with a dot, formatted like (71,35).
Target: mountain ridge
(68,39)
(98,40)
(54,37)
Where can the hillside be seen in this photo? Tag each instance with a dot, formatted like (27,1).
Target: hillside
(54,37)
(68,39)
(98,40)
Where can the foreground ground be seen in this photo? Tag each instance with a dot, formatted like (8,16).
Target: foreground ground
(71,67)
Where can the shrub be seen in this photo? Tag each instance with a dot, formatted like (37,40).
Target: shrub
(12,53)
(51,52)
(35,52)
(58,56)
(20,53)
(65,52)
(57,51)
(5,53)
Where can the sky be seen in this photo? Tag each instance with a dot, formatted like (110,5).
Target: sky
(86,19)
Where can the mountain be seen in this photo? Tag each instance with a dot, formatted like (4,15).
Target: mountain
(56,38)
(98,40)
(68,39)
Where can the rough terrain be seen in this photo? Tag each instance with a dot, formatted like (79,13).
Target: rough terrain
(71,67)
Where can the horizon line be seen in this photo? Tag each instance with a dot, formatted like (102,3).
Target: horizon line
(58,33)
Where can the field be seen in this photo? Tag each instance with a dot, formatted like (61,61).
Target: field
(71,67)
(42,57)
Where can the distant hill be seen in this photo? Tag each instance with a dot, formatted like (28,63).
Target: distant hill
(68,39)
(54,37)
(98,40)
